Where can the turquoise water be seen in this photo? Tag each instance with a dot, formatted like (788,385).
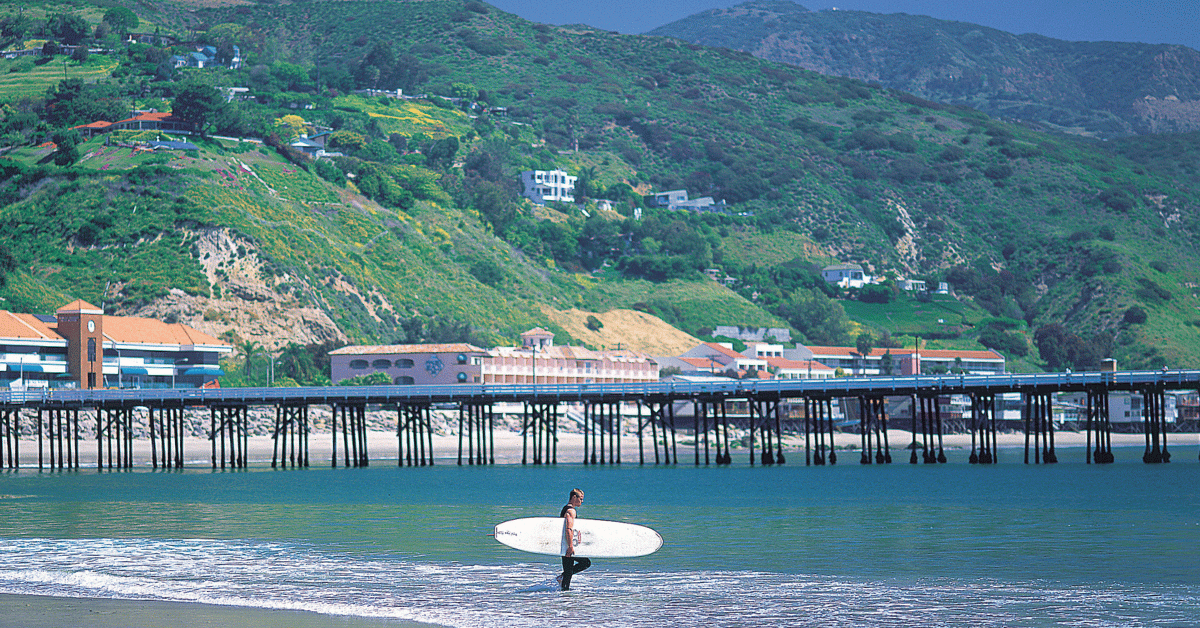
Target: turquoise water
(894,545)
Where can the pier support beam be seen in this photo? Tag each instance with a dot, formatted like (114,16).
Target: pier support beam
(1098,423)
(765,426)
(983,427)
(58,428)
(414,431)
(602,433)
(1154,421)
(819,419)
(10,438)
(661,418)
(353,419)
(166,437)
(539,433)
(290,436)
(872,417)
(1039,423)
(228,427)
(114,436)
(476,425)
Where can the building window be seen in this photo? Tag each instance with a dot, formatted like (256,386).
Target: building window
(462,377)
(404,363)
(462,358)
(403,380)
(381,364)
(358,364)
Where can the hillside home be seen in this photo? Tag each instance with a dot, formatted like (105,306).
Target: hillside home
(81,347)
(845,275)
(678,199)
(543,186)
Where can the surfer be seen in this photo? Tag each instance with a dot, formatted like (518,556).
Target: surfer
(570,563)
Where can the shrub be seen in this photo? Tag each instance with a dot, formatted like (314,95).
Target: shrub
(1135,316)
(594,323)
(998,172)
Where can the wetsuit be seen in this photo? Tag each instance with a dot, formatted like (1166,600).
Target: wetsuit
(571,564)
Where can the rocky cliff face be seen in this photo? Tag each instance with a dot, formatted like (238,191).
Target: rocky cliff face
(246,303)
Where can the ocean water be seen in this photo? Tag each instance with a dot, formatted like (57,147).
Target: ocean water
(848,545)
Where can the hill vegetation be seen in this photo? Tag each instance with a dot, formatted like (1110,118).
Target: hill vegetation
(1059,252)
(1103,89)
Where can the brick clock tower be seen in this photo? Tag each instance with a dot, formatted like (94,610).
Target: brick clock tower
(82,324)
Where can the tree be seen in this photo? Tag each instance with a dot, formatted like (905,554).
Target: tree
(863,344)
(199,104)
(819,318)
(292,125)
(296,362)
(71,29)
(886,363)
(68,147)
(121,20)
(248,349)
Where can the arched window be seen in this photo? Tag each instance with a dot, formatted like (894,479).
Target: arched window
(404,363)
(403,380)
(462,377)
(381,364)
(358,364)
(462,358)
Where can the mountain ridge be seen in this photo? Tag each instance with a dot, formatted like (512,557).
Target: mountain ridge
(1105,89)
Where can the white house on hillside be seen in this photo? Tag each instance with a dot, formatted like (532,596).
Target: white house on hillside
(845,275)
(542,186)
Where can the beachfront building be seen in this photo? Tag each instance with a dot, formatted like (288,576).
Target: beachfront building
(81,347)
(781,367)
(544,186)
(716,358)
(537,360)
(903,361)
(412,364)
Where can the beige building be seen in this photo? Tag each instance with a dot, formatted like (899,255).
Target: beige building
(536,360)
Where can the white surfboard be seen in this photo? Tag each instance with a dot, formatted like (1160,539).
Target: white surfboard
(594,538)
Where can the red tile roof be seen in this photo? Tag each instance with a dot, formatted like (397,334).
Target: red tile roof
(785,363)
(135,329)
(80,306)
(13,325)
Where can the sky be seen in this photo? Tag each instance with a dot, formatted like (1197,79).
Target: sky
(1146,21)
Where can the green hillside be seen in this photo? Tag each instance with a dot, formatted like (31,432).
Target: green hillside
(417,232)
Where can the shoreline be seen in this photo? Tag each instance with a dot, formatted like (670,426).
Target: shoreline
(383,446)
(49,611)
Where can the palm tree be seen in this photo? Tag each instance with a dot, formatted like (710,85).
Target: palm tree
(863,344)
(296,362)
(248,349)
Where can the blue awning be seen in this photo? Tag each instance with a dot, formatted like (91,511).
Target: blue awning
(204,370)
(134,370)
(27,368)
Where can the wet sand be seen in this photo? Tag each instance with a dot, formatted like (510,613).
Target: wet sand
(35,611)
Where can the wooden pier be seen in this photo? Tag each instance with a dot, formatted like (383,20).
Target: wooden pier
(760,413)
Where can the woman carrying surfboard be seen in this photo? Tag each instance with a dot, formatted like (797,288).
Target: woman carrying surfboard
(570,563)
